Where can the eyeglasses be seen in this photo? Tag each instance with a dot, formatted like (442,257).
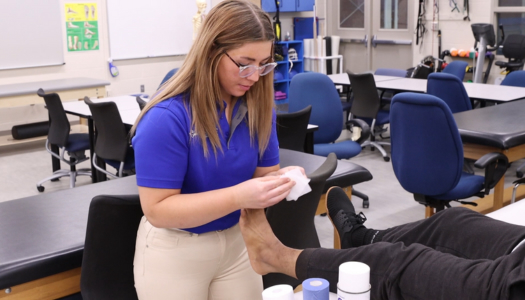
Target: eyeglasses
(245,71)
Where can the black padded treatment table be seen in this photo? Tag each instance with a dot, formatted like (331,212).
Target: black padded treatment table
(42,240)
(499,128)
(42,237)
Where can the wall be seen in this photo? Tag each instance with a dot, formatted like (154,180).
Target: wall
(133,73)
(455,32)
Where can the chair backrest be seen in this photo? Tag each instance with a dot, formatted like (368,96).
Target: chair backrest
(109,248)
(293,221)
(391,72)
(514,46)
(59,124)
(450,89)
(141,102)
(457,68)
(112,138)
(319,91)
(516,78)
(291,129)
(168,76)
(427,152)
(366,100)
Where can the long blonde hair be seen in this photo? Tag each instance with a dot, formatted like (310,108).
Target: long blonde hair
(229,25)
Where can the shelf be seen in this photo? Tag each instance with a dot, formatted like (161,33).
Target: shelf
(284,66)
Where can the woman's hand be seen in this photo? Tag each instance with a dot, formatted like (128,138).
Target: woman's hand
(284,170)
(262,192)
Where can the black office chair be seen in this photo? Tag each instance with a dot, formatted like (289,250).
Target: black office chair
(141,103)
(366,106)
(112,140)
(293,221)
(109,248)
(74,144)
(514,51)
(291,129)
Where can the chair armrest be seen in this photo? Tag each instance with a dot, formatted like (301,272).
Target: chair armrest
(495,165)
(519,181)
(365,129)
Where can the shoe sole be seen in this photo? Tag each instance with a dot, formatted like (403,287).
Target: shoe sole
(337,238)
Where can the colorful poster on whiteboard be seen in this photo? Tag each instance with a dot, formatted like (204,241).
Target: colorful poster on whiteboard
(82,26)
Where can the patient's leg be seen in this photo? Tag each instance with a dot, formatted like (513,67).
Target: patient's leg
(267,254)
(460,231)
(397,271)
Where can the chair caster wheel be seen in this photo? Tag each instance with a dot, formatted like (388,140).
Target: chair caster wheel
(366,204)
(519,174)
(386,158)
(40,188)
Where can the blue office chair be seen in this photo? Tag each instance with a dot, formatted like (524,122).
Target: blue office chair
(318,90)
(168,76)
(516,78)
(427,154)
(450,89)
(456,68)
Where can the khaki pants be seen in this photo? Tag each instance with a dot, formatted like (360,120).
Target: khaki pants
(175,264)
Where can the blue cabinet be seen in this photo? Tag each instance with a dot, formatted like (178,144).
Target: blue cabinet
(288,5)
(305,5)
(286,69)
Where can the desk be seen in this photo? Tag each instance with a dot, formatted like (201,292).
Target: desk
(19,94)
(494,129)
(16,96)
(42,237)
(475,91)
(342,78)
(129,111)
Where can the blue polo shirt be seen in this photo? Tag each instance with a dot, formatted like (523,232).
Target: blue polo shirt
(169,154)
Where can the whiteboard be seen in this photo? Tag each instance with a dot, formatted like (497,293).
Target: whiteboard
(150,28)
(30,34)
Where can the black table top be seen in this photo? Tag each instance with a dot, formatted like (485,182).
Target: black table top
(44,234)
(501,126)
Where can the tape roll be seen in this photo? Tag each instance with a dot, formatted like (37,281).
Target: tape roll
(316,289)
(278,292)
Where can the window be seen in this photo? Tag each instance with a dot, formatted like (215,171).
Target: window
(394,14)
(352,13)
(511,15)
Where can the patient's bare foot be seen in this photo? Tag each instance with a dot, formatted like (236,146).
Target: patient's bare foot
(267,254)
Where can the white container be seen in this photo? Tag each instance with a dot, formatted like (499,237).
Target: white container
(354,281)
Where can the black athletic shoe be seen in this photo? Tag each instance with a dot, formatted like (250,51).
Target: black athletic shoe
(342,214)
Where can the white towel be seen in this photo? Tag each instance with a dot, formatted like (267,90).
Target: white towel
(301,186)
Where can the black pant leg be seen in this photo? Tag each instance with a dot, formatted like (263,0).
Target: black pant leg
(460,231)
(417,272)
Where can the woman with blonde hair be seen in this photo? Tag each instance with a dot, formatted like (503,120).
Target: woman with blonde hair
(206,147)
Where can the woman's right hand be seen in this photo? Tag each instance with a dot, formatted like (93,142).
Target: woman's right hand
(262,192)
